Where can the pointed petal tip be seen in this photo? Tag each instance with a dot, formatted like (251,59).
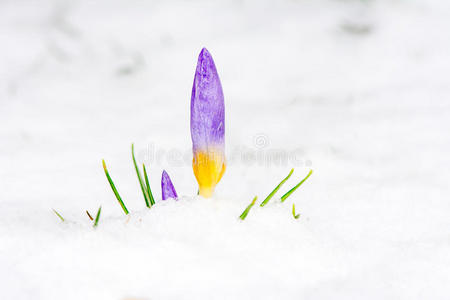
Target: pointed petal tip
(167,188)
(205,60)
(204,52)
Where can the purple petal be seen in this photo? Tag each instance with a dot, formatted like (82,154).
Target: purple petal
(207,107)
(167,188)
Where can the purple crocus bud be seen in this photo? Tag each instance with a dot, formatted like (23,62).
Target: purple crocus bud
(167,188)
(207,125)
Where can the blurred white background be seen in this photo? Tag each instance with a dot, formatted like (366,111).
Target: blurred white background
(359,89)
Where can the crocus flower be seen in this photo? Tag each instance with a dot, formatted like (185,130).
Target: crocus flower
(167,188)
(207,125)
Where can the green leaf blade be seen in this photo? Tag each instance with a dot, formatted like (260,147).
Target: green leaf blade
(141,182)
(97,217)
(285,196)
(296,216)
(113,187)
(149,190)
(247,210)
(276,189)
(59,216)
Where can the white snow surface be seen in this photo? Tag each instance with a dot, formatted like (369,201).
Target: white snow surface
(358,91)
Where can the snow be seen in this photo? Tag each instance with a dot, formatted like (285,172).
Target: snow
(358,91)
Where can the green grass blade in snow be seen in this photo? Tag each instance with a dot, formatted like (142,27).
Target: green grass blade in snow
(59,216)
(149,190)
(246,211)
(141,182)
(293,212)
(276,189)
(97,218)
(284,197)
(113,187)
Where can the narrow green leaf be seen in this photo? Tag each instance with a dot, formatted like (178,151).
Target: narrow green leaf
(97,218)
(149,190)
(141,182)
(246,211)
(284,197)
(59,216)
(113,187)
(293,212)
(276,189)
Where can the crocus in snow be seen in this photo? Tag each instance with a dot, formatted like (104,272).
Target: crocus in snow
(207,125)
(167,188)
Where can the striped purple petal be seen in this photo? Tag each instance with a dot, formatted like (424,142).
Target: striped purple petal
(207,106)
(207,125)
(167,188)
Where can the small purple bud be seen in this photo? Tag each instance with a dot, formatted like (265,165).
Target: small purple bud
(167,188)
